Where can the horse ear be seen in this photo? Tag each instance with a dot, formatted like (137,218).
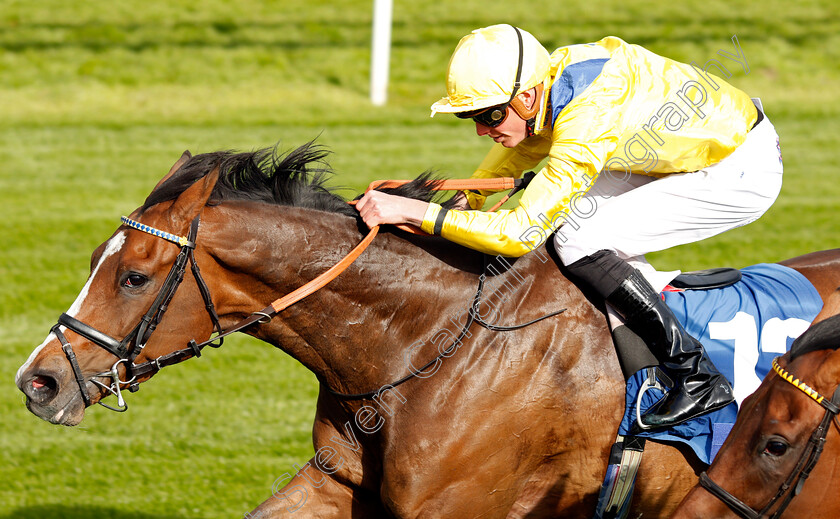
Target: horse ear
(823,335)
(828,375)
(175,167)
(194,198)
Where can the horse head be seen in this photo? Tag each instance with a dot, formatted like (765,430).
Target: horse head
(783,429)
(109,326)
(143,306)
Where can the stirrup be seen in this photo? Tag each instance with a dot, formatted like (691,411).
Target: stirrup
(651,382)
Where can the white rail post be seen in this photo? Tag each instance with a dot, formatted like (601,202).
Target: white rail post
(381,51)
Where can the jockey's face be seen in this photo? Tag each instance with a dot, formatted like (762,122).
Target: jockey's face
(510,133)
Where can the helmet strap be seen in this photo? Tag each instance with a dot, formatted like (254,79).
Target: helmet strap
(529,127)
(517,84)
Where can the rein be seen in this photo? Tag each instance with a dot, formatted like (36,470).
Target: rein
(804,465)
(132,344)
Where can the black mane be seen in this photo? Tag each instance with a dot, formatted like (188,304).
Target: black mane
(825,335)
(297,178)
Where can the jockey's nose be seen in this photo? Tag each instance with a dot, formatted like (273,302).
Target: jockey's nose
(40,387)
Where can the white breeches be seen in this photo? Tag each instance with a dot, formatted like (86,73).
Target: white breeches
(642,214)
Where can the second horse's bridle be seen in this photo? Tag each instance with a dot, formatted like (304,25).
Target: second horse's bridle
(793,484)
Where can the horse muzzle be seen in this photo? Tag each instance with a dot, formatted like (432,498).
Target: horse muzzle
(52,396)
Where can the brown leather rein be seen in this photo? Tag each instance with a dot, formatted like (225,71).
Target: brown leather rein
(267,313)
(130,347)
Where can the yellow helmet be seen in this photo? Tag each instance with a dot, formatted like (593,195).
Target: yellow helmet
(485,66)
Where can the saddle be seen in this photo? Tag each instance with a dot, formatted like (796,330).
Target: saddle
(707,279)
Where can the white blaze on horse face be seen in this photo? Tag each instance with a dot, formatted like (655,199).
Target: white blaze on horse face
(112,248)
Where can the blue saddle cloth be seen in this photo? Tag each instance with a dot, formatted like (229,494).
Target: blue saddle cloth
(743,328)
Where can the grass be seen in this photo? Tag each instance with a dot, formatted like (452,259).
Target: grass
(100,98)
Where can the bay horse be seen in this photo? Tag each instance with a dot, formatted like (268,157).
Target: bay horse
(443,419)
(782,457)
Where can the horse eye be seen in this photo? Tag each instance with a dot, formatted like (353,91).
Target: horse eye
(775,448)
(134,280)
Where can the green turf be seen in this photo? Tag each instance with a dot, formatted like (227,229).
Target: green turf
(100,98)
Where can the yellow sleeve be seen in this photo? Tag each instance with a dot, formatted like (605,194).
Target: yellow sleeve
(544,206)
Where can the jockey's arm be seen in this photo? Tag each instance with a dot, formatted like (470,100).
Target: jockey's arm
(543,207)
(572,168)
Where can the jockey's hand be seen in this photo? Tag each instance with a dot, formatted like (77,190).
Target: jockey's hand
(378,208)
(460,201)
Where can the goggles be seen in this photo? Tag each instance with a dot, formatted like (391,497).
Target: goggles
(496,115)
(492,117)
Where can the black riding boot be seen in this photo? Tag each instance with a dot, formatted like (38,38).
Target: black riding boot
(698,387)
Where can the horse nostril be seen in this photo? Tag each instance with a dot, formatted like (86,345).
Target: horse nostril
(42,388)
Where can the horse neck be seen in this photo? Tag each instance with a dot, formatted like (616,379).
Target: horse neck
(354,333)
(356,326)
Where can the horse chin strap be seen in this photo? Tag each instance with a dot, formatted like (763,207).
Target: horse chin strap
(793,484)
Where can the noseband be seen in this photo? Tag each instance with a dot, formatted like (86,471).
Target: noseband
(803,467)
(132,344)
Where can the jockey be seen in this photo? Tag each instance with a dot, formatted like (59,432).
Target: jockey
(644,153)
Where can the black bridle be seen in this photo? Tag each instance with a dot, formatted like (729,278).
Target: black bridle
(132,344)
(793,484)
